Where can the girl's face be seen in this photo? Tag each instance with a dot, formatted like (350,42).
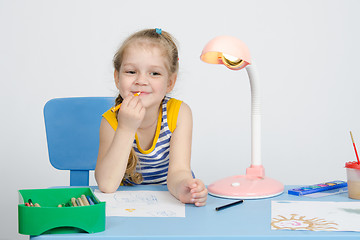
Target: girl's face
(144,70)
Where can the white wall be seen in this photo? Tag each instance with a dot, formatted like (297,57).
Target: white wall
(306,52)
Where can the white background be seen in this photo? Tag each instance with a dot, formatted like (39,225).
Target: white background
(306,53)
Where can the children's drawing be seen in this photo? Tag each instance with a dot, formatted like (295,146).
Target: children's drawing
(141,204)
(130,209)
(315,215)
(162,213)
(135,197)
(296,222)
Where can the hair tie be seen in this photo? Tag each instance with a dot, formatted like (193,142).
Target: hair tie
(158,30)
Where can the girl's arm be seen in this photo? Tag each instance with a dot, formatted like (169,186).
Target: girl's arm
(180,181)
(115,146)
(114,149)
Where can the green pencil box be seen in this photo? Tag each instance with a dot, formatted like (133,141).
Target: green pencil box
(49,218)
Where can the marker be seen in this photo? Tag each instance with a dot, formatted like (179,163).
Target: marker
(37,205)
(229,205)
(114,109)
(30,202)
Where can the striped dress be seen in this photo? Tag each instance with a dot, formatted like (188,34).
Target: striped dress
(154,163)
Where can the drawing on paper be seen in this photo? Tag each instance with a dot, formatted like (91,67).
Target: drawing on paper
(315,215)
(136,198)
(130,209)
(297,222)
(162,213)
(141,204)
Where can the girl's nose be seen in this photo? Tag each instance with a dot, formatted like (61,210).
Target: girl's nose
(141,79)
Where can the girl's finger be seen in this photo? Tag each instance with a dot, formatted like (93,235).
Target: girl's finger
(199,195)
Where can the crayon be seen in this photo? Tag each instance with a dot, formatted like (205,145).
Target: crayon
(73,202)
(94,200)
(30,202)
(37,205)
(78,202)
(84,200)
(81,202)
(27,204)
(90,200)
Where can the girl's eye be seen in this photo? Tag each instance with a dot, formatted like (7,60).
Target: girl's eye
(154,74)
(131,72)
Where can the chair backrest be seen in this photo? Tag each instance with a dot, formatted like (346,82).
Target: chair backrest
(72,131)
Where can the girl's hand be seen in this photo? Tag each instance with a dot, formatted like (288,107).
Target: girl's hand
(193,191)
(131,113)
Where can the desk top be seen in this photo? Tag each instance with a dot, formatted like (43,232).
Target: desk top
(248,220)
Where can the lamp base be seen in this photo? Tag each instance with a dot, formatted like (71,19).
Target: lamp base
(246,187)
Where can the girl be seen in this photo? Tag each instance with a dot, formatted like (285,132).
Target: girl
(148,139)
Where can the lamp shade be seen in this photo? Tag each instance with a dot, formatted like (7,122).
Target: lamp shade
(227,50)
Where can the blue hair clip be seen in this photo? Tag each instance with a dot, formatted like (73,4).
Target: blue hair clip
(158,30)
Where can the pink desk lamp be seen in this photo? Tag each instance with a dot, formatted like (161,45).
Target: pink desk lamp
(235,55)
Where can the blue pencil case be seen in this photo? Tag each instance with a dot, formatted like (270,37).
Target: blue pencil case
(317,188)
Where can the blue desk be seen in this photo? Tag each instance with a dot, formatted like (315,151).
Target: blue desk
(250,220)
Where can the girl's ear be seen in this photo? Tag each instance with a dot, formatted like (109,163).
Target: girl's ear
(116,78)
(171,82)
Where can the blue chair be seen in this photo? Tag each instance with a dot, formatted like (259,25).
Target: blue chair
(72,131)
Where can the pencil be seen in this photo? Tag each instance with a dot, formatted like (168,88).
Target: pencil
(229,205)
(114,109)
(352,139)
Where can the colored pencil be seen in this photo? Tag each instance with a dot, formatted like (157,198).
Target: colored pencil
(114,109)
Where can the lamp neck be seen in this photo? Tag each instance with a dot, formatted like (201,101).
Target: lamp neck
(255,90)
(255,116)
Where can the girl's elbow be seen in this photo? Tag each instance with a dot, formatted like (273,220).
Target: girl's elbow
(103,183)
(105,188)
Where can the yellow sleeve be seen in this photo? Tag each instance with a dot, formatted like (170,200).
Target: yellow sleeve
(111,118)
(173,107)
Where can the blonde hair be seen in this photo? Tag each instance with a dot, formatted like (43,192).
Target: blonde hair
(150,37)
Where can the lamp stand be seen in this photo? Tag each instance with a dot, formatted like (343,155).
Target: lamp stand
(254,184)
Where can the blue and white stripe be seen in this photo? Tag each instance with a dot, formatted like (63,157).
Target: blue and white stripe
(154,166)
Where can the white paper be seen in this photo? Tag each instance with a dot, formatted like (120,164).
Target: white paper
(315,216)
(141,204)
